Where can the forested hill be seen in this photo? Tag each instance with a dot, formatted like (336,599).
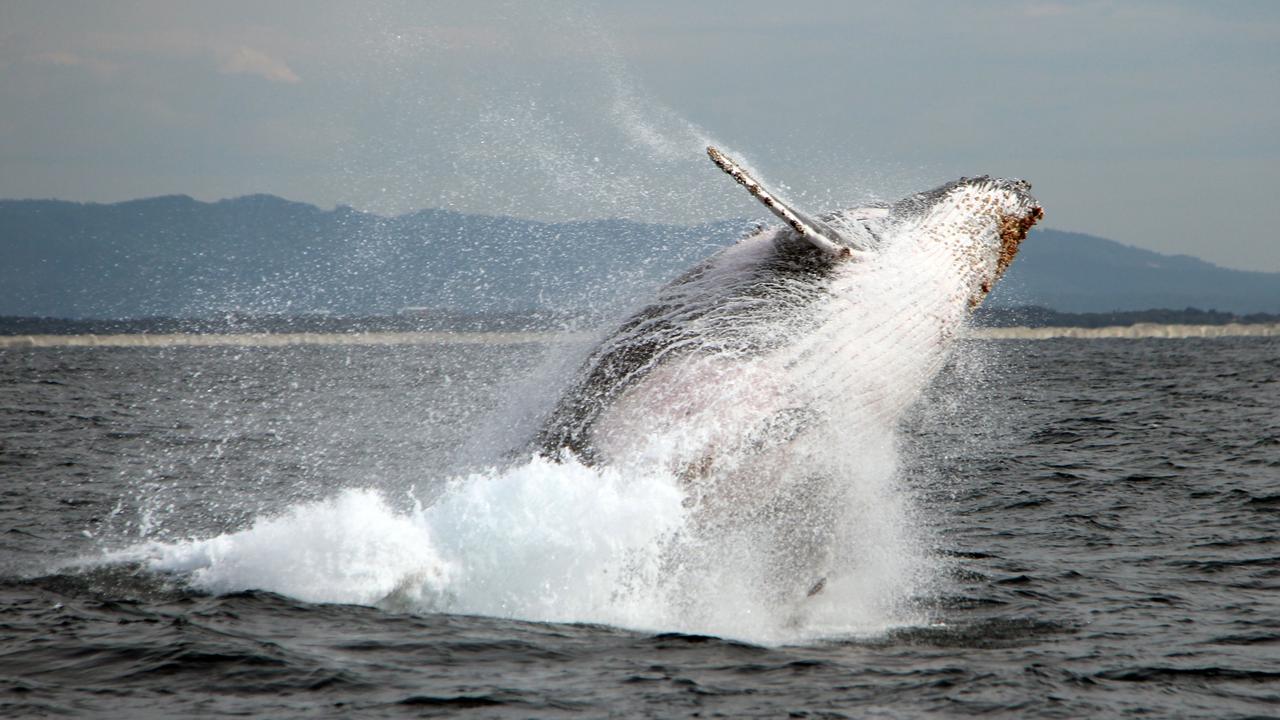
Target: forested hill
(178,257)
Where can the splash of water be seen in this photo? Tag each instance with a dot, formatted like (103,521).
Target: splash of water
(545,541)
(617,545)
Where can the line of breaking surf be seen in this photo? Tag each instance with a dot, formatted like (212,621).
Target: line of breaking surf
(283,339)
(1138,331)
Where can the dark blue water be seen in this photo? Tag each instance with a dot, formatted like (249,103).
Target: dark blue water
(1101,518)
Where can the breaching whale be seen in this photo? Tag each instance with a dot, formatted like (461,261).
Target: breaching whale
(797,339)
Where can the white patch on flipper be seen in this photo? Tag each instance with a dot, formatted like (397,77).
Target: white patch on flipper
(821,236)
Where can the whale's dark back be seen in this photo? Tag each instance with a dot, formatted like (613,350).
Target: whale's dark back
(689,316)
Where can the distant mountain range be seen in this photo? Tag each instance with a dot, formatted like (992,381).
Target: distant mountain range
(177,257)
(1077,273)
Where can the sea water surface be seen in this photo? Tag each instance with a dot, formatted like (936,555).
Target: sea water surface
(1074,527)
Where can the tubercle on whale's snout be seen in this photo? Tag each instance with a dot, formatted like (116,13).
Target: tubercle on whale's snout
(1013,230)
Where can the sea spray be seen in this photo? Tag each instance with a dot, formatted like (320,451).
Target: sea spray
(350,548)
(744,486)
(814,539)
(539,541)
(771,378)
(548,541)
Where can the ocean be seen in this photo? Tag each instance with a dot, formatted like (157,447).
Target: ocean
(1068,528)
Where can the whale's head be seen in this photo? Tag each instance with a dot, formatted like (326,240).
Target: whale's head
(976,223)
(981,221)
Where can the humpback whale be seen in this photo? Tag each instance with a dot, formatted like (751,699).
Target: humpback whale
(800,337)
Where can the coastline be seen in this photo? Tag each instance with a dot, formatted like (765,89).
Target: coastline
(1137,331)
(279,339)
(1132,332)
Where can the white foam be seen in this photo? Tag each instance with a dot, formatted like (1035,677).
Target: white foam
(544,542)
(351,548)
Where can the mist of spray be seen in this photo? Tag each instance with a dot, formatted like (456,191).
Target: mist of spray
(539,540)
(621,544)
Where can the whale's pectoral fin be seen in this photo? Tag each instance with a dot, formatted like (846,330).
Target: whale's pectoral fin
(821,235)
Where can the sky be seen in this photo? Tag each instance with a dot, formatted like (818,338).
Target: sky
(1156,124)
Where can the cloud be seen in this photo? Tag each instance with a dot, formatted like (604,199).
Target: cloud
(247,61)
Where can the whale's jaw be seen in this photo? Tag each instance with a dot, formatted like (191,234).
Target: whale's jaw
(1013,230)
(981,220)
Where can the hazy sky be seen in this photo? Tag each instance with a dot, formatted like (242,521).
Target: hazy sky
(1152,123)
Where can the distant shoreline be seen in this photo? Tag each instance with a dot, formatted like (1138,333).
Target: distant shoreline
(1133,332)
(280,339)
(1136,331)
